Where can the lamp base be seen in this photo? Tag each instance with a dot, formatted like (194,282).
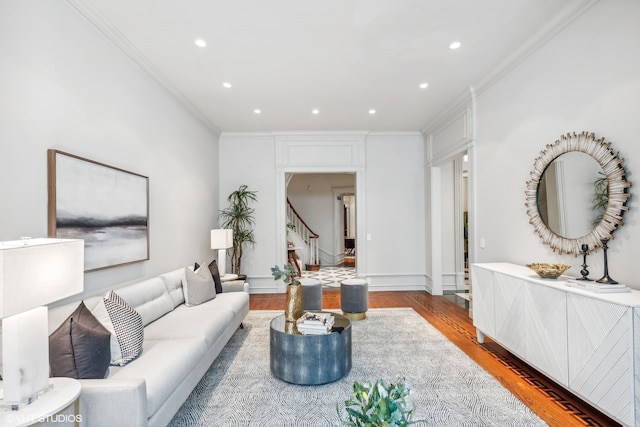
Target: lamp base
(17,406)
(222,261)
(25,348)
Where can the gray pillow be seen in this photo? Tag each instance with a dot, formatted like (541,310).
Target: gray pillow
(198,286)
(79,348)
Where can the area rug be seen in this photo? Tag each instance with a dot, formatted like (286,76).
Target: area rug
(448,388)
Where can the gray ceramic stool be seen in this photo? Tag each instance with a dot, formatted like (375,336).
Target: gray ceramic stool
(354,298)
(311,294)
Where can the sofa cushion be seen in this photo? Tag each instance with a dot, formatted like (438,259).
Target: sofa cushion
(125,325)
(198,286)
(236,302)
(233,286)
(173,282)
(149,298)
(80,347)
(165,364)
(185,322)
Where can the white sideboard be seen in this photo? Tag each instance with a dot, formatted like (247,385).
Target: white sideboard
(585,341)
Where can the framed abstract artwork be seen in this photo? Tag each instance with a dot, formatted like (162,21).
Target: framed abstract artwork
(105,206)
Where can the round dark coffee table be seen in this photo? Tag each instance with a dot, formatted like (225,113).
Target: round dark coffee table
(310,359)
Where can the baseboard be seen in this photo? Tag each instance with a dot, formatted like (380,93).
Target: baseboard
(265,285)
(381,282)
(396,282)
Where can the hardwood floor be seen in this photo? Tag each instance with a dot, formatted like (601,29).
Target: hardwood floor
(551,402)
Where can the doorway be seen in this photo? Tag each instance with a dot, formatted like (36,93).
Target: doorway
(327,204)
(349,228)
(460,215)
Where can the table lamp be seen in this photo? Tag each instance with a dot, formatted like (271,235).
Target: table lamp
(33,273)
(222,240)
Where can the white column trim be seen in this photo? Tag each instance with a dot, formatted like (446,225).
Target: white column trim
(449,137)
(458,221)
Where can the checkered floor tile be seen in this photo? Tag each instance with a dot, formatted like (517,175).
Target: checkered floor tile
(331,276)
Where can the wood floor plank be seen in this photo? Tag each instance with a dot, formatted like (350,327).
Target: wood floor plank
(551,402)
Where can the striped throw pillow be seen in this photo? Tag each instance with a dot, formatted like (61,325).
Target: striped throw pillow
(125,325)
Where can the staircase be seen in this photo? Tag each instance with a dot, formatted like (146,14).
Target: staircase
(304,236)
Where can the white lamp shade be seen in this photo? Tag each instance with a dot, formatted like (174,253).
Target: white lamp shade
(37,272)
(221,239)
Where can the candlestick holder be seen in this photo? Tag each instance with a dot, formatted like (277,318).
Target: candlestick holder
(606,279)
(584,271)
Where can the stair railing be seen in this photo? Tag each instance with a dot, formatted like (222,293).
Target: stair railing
(305,232)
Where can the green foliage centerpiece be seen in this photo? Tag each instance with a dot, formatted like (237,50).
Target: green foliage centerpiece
(294,307)
(378,404)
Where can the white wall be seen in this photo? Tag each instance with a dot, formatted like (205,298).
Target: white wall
(63,85)
(395,210)
(586,78)
(394,207)
(250,159)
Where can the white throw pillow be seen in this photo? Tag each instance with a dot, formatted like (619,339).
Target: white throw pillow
(125,325)
(199,286)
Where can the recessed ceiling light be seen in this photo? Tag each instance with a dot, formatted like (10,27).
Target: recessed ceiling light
(372,111)
(257,111)
(423,85)
(315,111)
(226,85)
(455,45)
(200,43)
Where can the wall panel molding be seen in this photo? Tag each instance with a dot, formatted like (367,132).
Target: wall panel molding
(320,151)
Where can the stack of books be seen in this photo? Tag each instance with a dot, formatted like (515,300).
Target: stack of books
(315,323)
(597,287)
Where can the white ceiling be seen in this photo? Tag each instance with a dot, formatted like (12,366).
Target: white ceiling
(343,57)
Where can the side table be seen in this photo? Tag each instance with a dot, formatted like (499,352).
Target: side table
(65,392)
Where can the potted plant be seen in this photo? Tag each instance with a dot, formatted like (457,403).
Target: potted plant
(294,307)
(238,216)
(378,404)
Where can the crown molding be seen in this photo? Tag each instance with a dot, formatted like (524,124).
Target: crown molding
(348,133)
(547,32)
(554,26)
(249,136)
(455,109)
(113,34)
(395,133)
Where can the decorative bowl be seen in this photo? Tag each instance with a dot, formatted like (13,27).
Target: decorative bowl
(548,270)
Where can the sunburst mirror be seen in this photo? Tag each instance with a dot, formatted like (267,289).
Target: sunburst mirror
(577,193)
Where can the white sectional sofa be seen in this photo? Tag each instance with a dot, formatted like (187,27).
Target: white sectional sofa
(180,343)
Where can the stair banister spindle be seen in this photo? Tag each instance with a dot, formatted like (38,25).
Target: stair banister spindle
(305,233)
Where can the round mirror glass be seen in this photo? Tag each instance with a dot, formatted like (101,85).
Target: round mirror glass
(570,195)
